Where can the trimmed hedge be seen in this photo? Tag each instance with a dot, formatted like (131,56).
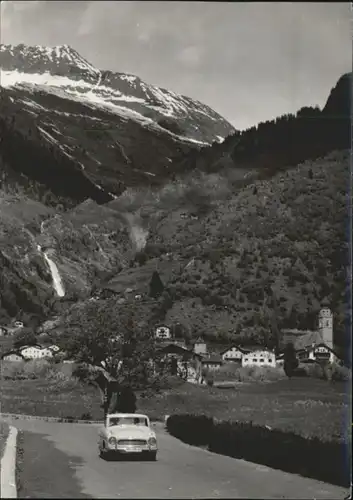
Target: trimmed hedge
(192,429)
(327,461)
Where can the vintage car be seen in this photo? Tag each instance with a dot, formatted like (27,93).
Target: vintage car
(127,433)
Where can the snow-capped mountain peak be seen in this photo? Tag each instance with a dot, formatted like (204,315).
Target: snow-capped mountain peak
(39,59)
(62,69)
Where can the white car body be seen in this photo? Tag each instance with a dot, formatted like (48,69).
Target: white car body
(127,433)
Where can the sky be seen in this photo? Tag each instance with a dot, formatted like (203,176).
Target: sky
(249,61)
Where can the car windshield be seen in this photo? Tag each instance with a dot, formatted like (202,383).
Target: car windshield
(140,421)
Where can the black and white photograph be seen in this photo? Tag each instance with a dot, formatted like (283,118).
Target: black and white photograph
(175,249)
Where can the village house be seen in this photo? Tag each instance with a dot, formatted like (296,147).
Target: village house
(233,354)
(35,352)
(317,345)
(29,352)
(259,357)
(173,349)
(12,356)
(213,362)
(317,353)
(162,333)
(185,358)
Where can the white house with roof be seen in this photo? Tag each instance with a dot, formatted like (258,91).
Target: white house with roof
(35,352)
(316,353)
(259,357)
(162,333)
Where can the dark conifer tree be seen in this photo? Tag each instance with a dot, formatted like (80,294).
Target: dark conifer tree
(156,285)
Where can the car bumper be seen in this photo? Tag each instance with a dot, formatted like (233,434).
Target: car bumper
(131,449)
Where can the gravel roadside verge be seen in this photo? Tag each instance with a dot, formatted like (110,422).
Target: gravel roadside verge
(4,432)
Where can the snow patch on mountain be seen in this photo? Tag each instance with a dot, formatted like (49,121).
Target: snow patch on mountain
(63,71)
(49,137)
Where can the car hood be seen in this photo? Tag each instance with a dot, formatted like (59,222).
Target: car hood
(130,431)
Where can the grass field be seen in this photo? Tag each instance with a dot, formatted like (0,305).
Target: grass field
(310,407)
(306,406)
(4,431)
(47,399)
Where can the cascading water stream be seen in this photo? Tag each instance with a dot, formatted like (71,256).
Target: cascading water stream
(57,281)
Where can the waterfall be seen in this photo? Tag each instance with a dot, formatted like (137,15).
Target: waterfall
(57,281)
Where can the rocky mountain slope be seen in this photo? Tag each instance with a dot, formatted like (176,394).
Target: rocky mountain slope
(77,152)
(91,133)
(228,257)
(237,244)
(275,245)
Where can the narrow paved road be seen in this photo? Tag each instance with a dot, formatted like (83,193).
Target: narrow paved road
(181,471)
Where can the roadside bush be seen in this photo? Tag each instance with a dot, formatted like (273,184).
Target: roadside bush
(334,372)
(313,370)
(341,373)
(232,371)
(192,429)
(322,460)
(310,457)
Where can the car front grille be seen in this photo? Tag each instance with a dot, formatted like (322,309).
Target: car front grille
(134,442)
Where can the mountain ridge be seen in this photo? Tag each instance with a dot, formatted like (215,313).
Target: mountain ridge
(64,67)
(84,123)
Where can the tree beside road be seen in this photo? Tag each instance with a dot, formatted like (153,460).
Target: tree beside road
(114,346)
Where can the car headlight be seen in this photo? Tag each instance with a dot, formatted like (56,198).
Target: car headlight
(112,440)
(152,441)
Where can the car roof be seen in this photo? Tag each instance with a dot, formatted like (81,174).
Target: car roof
(120,415)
